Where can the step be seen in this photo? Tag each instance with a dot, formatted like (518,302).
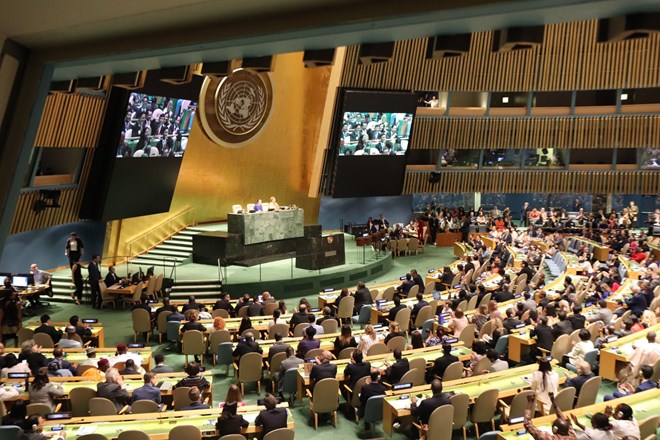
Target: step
(145,262)
(182,237)
(215,287)
(196,229)
(168,252)
(188,232)
(198,295)
(174,246)
(198,282)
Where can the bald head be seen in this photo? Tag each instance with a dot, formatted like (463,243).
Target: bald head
(650,337)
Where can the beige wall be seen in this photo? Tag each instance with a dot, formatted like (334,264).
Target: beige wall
(278,161)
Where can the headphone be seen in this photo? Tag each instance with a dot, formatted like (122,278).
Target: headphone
(555,430)
(619,415)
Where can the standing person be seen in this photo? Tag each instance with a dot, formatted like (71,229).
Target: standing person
(94,274)
(545,382)
(12,316)
(74,248)
(77,280)
(523,214)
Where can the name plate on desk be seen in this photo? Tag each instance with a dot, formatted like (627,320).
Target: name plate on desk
(261,227)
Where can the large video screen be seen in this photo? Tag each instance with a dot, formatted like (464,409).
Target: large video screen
(156,126)
(374,134)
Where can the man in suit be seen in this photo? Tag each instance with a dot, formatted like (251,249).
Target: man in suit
(246,345)
(602,313)
(356,369)
(395,371)
(373,387)
(323,368)
(421,302)
(563,327)
(195,396)
(510,322)
(48,329)
(523,214)
(362,297)
(637,304)
(113,389)
(300,316)
(255,308)
(584,373)
(291,361)
(94,274)
(394,310)
(224,303)
(167,307)
(74,248)
(271,418)
(425,409)
(143,304)
(417,279)
(406,285)
(503,295)
(278,347)
(112,278)
(577,319)
(327,315)
(543,334)
(148,391)
(160,367)
(190,305)
(441,363)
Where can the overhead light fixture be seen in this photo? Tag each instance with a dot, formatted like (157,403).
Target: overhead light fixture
(376,53)
(258,64)
(129,80)
(216,68)
(505,99)
(624,96)
(95,83)
(68,86)
(446,46)
(177,75)
(517,38)
(319,58)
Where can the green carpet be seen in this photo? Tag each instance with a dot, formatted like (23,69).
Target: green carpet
(118,328)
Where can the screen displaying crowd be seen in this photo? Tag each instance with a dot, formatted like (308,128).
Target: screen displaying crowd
(156,126)
(374,134)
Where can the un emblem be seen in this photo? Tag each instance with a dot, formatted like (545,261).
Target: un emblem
(235,108)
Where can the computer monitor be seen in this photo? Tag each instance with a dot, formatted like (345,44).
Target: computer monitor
(19,281)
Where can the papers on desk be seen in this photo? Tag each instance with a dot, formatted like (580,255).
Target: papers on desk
(84,430)
(166,386)
(400,404)
(250,417)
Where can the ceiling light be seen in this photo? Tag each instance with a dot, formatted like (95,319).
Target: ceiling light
(624,96)
(505,99)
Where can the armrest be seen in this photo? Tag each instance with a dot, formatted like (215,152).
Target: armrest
(58,407)
(86,344)
(386,384)
(163,407)
(308,392)
(267,364)
(347,388)
(235,366)
(124,409)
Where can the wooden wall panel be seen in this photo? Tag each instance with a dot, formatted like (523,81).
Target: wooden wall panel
(570,58)
(640,131)
(68,121)
(633,182)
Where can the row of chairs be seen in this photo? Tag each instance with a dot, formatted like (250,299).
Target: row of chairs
(43,339)
(184,432)
(405,246)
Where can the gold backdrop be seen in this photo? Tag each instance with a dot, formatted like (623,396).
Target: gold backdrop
(278,161)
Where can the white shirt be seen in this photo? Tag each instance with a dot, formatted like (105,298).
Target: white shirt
(624,428)
(551,386)
(69,343)
(596,434)
(124,357)
(647,354)
(579,349)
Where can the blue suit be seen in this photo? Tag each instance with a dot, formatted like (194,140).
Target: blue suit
(147,392)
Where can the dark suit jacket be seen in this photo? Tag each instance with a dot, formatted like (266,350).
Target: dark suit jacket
(420,282)
(324,370)
(355,372)
(247,347)
(562,328)
(544,337)
(255,309)
(510,323)
(221,304)
(51,331)
(426,408)
(392,315)
(271,419)
(196,325)
(577,321)
(189,306)
(396,371)
(195,405)
(577,382)
(417,307)
(370,390)
(362,297)
(230,424)
(637,304)
(111,279)
(147,392)
(299,318)
(277,347)
(114,393)
(93,272)
(502,296)
(441,364)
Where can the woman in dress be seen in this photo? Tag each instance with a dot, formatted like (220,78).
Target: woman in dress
(543,382)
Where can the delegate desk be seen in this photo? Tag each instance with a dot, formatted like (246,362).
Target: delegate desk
(381,312)
(517,256)
(329,296)
(259,323)
(630,268)
(327,340)
(157,425)
(600,251)
(75,355)
(96,328)
(509,383)
(118,289)
(447,238)
(572,263)
(644,404)
(556,288)
(623,292)
(429,354)
(616,354)
(132,381)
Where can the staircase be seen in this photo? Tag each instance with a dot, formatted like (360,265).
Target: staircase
(174,251)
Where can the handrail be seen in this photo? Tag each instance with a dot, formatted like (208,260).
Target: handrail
(165,233)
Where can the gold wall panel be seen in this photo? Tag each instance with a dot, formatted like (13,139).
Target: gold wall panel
(640,131)
(599,182)
(570,58)
(277,162)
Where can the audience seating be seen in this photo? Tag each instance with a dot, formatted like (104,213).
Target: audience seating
(326,404)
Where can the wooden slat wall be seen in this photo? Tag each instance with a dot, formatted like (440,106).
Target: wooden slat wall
(569,59)
(634,182)
(68,121)
(639,131)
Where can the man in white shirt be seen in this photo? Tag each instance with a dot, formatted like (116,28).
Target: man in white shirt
(69,341)
(91,358)
(123,355)
(646,354)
